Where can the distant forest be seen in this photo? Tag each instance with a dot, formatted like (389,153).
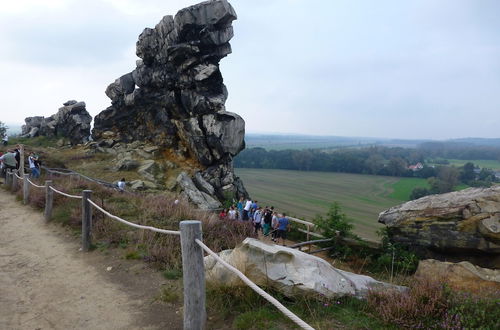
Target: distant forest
(366,160)
(390,161)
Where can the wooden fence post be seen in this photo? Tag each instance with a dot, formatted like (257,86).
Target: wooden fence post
(49,200)
(26,189)
(21,159)
(193,271)
(8,178)
(13,183)
(86,220)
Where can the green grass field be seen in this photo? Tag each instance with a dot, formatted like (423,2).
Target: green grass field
(306,194)
(491,164)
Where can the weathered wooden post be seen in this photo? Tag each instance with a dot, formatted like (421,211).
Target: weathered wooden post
(21,159)
(86,220)
(308,235)
(8,179)
(49,200)
(14,181)
(26,189)
(193,272)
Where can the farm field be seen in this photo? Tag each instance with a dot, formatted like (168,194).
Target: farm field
(306,194)
(491,164)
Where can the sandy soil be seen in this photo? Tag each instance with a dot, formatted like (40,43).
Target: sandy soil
(47,283)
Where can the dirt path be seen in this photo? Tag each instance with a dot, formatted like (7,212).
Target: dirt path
(46,283)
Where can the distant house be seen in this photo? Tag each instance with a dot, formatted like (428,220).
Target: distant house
(417,167)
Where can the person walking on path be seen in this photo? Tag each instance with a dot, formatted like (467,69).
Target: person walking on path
(34,171)
(257,220)
(239,206)
(9,161)
(246,209)
(283,228)
(268,218)
(5,139)
(232,214)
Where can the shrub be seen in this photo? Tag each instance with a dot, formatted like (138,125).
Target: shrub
(430,304)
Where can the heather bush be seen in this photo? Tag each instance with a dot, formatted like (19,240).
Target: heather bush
(430,304)
(157,210)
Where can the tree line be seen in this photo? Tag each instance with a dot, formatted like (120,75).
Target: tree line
(377,160)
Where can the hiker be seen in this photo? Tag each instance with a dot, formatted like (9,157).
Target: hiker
(274,226)
(232,214)
(5,139)
(223,214)
(121,185)
(257,220)
(9,161)
(283,227)
(18,156)
(239,206)
(246,209)
(34,169)
(268,218)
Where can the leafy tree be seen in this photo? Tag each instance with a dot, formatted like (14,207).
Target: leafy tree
(419,192)
(3,129)
(397,166)
(467,174)
(335,221)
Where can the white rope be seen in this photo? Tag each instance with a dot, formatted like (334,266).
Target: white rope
(19,177)
(158,230)
(61,173)
(64,194)
(256,288)
(37,186)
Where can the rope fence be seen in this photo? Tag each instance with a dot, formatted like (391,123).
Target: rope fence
(64,194)
(34,184)
(158,230)
(192,249)
(256,288)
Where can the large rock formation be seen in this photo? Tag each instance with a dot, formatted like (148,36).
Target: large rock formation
(72,122)
(290,271)
(464,224)
(174,100)
(462,276)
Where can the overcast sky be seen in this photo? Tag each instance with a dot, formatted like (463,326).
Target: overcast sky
(403,69)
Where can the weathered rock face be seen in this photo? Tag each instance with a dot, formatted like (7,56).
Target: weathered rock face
(174,99)
(289,271)
(464,223)
(461,276)
(72,122)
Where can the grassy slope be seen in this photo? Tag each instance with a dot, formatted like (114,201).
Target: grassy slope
(305,194)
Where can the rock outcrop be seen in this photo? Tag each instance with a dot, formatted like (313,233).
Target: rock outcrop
(175,100)
(465,224)
(71,122)
(290,271)
(462,276)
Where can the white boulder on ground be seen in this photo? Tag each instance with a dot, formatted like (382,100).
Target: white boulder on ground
(290,271)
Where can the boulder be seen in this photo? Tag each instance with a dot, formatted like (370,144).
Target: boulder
(290,271)
(464,224)
(203,200)
(71,122)
(151,170)
(142,185)
(173,102)
(126,164)
(462,276)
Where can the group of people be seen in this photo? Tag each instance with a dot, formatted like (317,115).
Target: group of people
(264,220)
(11,159)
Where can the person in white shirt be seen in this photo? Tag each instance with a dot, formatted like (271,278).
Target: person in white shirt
(34,170)
(121,185)
(246,209)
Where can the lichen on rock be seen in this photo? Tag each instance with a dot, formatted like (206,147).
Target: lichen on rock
(464,223)
(175,100)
